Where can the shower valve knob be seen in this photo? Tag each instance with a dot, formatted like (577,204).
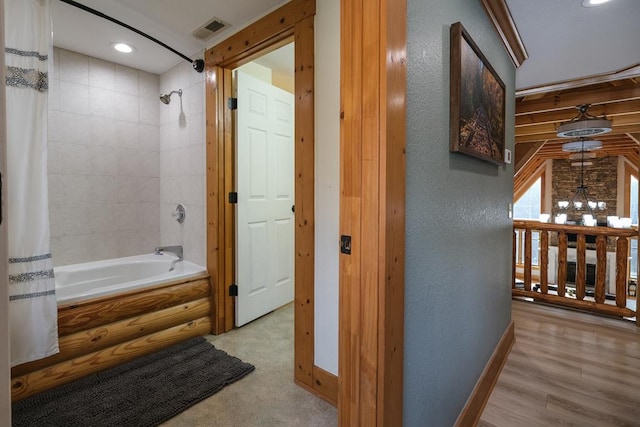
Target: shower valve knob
(179,214)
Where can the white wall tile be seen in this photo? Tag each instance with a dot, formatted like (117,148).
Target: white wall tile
(149,85)
(102,102)
(74,67)
(70,127)
(126,80)
(95,133)
(148,110)
(102,131)
(102,160)
(196,99)
(149,137)
(102,74)
(74,97)
(127,107)
(127,135)
(55,64)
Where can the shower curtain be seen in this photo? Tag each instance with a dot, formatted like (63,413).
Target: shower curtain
(32,301)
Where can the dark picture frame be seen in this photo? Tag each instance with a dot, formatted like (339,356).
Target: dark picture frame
(478,95)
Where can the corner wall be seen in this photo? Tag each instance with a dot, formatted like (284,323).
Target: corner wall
(182,161)
(327,183)
(458,234)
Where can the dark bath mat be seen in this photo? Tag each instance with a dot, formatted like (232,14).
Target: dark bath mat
(144,392)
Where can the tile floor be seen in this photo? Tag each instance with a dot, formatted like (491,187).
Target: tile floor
(267,396)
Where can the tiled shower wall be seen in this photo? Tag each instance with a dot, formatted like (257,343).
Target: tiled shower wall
(104,159)
(182,161)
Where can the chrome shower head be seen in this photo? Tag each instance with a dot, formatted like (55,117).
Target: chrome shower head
(165,98)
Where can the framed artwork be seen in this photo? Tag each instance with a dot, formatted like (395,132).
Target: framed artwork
(477,101)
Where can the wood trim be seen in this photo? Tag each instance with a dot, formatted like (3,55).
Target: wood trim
(593,307)
(325,385)
(260,35)
(500,16)
(304,201)
(625,73)
(294,20)
(470,414)
(372,211)
(527,157)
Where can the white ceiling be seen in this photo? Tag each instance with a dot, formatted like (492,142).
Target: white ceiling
(169,21)
(566,41)
(563,39)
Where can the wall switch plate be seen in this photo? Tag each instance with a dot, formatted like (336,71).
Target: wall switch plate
(345,244)
(507,155)
(510,210)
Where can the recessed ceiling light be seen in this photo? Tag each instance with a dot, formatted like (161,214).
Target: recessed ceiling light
(123,47)
(593,3)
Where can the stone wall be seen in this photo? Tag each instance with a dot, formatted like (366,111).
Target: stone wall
(600,178)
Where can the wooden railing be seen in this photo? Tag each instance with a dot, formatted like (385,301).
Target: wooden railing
(542,290)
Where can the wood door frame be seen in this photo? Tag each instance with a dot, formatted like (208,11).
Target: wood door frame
(373,54)
(292,22)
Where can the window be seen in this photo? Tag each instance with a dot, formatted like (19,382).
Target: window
(528,206)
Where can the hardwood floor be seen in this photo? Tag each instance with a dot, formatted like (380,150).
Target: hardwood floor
(567,368)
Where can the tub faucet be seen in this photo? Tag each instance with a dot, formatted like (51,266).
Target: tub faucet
(176,250)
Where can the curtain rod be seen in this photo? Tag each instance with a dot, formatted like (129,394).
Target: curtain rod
(198,64)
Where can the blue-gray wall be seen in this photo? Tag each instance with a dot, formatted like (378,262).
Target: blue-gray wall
(458,235)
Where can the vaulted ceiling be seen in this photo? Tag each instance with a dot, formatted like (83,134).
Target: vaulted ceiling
(539,113)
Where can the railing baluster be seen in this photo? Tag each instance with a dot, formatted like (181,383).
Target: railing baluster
(622,251)
(527,260)
(544,261)
(581,266)
(522,251)
(562,262)
(601,268)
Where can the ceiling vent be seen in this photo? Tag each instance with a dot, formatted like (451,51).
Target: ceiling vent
(209,29)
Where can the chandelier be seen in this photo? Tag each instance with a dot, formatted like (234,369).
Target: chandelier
(584,125)
(580,199)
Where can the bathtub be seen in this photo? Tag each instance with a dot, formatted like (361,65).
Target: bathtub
(77,282)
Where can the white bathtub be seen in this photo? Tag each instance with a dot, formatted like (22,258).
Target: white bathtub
(78,282)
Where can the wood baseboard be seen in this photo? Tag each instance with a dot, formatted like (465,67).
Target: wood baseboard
(470,414)
(324,385)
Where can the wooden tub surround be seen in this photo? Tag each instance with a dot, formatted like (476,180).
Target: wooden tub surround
(104,332)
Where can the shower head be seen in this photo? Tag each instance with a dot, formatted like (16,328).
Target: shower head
(166,97)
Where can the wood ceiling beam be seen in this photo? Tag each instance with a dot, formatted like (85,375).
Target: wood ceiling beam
(601,95)
(616,122)
(634,138)
(610,110)
(527,157)
(534,137)
(625,73)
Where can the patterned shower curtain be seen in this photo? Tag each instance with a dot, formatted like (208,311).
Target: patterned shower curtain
(32,300)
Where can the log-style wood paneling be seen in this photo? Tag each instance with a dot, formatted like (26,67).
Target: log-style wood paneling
(74,317)
(372,79)
(46,378)
(97,338)
(103,332)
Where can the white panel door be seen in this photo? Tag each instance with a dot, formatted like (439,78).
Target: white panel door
(264,217)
